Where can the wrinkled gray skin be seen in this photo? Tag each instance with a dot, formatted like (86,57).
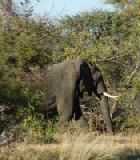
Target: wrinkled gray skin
(65,82)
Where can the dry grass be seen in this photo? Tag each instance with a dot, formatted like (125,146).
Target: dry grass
(88,146)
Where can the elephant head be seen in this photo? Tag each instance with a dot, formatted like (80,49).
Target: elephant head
(91,80)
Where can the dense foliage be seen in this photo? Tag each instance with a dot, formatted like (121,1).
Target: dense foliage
(109,39)
(24,44)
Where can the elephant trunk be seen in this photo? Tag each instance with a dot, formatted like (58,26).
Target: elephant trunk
(106,113)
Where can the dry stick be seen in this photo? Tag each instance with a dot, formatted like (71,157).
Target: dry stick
(103,128)
(96,123)
(113,108)
(132,74)
(115,58)
(90,123)
(122,127)
(38,129)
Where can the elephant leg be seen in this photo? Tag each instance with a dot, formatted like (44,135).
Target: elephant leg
(77,114)
(66,97)
(83,122)
(64,109)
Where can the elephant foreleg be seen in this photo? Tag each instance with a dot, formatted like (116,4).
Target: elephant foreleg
(83,122)
(77,114)
(64,110)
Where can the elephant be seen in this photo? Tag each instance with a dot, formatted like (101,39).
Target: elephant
(64,83)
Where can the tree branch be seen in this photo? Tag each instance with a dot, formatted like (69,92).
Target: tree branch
(133,73)
(113,109)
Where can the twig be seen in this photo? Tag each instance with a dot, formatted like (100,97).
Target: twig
(132,74)
(83,107)
(93,114)
(116,57)
(113,108)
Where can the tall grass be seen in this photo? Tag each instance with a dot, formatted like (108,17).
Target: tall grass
(89,146)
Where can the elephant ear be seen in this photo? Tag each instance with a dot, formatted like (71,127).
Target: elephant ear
(98,79)
(84,71)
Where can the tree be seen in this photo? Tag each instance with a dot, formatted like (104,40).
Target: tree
(5,9)
(123,3)
(111,40)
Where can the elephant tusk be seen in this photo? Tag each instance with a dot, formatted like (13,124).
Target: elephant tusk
(108,95)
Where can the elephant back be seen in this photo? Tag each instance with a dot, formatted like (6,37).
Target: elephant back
(57,77)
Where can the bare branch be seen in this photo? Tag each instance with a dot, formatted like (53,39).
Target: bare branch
(133,73)
(116,58)
(113,108)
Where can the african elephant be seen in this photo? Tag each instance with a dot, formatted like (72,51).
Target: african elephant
(65,82)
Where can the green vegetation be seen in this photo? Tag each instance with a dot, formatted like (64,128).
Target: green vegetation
(109,39)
